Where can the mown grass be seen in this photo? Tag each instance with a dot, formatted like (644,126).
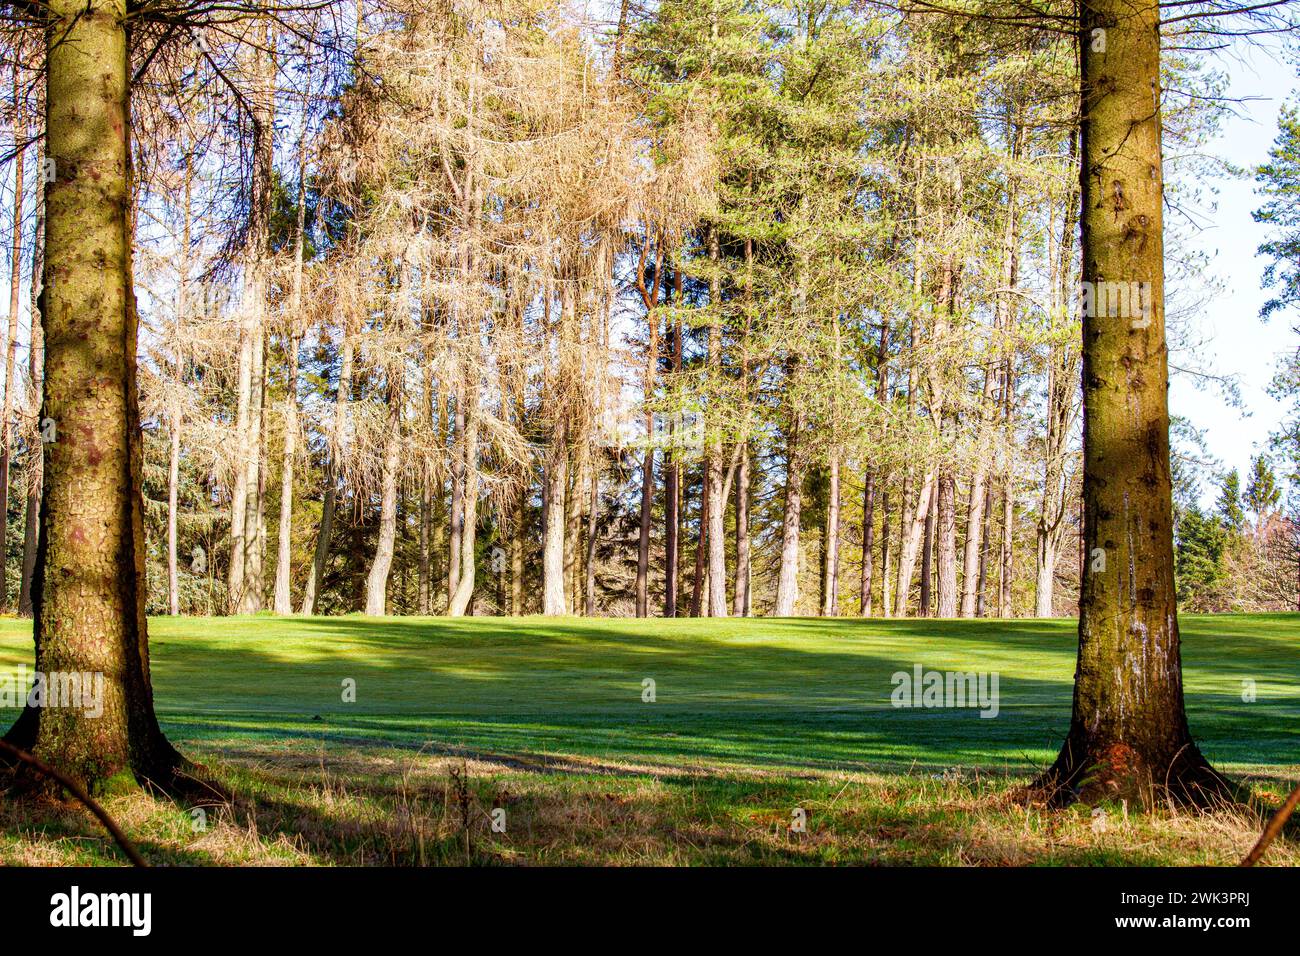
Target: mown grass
(752,721)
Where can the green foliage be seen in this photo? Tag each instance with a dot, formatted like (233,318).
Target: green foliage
(1228,505)
(1198,556)
(1279,182)
(1262,493)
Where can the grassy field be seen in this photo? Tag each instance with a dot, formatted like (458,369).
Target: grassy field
(753,723)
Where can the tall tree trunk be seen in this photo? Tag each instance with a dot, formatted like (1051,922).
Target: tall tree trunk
(740,603)
(460,598)
(927,559)
(573,529)
(715,500)
(868,542)
(650,298)
(673,484)
(89,583)
(556,480)
(35,372)
(886,602)
(787,582)
(981,588)
(342,399)
(593,509)
(647,511)
(946,547)
(831,598)
(1062,368)
(698,580)
(1128,731)
(283,600)
(423,589)
(174,411)
(456,510)
(377,579)
(245,572)
(912,531)
(517,532)
(11,339)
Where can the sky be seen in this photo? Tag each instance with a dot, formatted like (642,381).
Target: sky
(1237,341)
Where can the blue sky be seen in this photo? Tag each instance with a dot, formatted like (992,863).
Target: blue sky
(1237,341)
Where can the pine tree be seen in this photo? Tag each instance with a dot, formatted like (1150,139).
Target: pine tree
(1228,505)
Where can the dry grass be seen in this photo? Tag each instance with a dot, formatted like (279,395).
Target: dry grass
(355,805)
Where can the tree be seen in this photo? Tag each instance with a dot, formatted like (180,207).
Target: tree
(1228,505)
(1279,181)
(1128,729)
(1198,558)
(1262,493)
(89,578)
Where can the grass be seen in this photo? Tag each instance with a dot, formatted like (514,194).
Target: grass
(751,721)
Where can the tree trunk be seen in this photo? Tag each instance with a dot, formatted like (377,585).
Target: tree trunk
(456,511)
(342,399)
(1128,732)
(377,579)
(593,509)
(35,371)
(245,571)
(868,541)
(11,341)
(517,533)
(716,501)
(89,583)
(946,547)
(740,602)
(283,600)
(886,604)
(912,532)
(698,580)
(1045,576)
(927,560)
(981,588)
(831,598)
(647,510)
(673,488)
(787,583)
(460,598)
(573,531)
(557,480)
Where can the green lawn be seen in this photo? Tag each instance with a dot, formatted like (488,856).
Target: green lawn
(744,703)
